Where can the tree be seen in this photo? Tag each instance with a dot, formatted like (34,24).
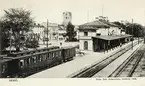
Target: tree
(134,29)
(70,33)
(19,22)
(121,25)
(32,40)
(4,37)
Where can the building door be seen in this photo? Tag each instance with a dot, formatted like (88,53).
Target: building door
(85,45)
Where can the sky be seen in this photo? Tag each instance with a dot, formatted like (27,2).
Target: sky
(82,10)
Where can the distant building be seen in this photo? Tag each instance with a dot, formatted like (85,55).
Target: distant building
(38,29)
(52,31)
(101,35)
(61,33)
(0,42)
(67,17)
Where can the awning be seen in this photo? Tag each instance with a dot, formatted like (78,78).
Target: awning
(105,37)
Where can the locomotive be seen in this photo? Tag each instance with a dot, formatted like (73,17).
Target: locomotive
(22,64)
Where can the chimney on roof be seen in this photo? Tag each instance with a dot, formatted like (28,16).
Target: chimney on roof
(101,18)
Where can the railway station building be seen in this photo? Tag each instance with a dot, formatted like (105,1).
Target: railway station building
(100,35)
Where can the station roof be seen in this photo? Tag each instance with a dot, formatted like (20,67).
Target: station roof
(105,37)
(93,25)
(109,23)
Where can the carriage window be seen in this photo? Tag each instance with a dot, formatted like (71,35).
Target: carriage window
(21,63)
(53,54)
(28,61)
(73,51)
(39,58)
(44,58)
(34,59)
(67,52)
(3,68)
(60,53)
(50,55)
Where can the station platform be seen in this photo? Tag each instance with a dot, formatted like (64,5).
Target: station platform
(68,68)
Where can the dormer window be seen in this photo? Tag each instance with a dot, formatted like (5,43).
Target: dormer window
(85,33)
(98,34)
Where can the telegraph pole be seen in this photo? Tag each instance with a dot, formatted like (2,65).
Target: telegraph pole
(0,41)
(132,34)
(138,37)
(10,39)
(102,9)
(47,34)
(87,17)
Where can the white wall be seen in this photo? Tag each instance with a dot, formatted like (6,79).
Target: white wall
(89,33)
(39,30)
(116,30)
(81,33)
(90,44)
(104,31)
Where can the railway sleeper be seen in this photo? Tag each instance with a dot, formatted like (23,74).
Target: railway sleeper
(89,72)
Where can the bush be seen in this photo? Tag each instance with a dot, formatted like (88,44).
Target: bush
(32,44)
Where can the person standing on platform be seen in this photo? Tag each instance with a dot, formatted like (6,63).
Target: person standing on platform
(60,44)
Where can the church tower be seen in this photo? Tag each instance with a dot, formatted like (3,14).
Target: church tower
(67,17)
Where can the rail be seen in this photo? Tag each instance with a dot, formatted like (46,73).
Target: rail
(136,55)
(96,67)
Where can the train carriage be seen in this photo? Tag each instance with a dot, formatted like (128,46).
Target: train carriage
(16,65)
(68,53)
(32,63)
(4,67)
(55,56)
(24,64)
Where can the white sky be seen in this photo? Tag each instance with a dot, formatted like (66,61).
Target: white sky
(53,9)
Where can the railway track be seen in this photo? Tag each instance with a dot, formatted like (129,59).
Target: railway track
(95,68)
(128,67)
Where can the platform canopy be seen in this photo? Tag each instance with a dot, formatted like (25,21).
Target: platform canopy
(105,37)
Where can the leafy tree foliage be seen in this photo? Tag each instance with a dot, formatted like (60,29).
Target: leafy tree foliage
(32,40)
(19,22)
(121,25)
(70,32)
(4,37)
(134,29)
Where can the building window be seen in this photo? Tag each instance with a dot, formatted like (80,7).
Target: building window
(85,45)
(3,68)
(21,63)
(85,33)
(98,34)
(28,61)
